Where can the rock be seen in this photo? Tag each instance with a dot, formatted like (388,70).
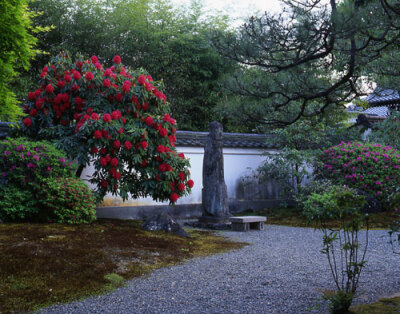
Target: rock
(373,205)
(164,222)
(214,194)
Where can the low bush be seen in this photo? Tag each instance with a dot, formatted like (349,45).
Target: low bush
(17,204)
(68,200)
(25,163)
(373,168)
(38,184)
(343,246)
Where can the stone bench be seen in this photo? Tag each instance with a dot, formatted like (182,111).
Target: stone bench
(245,223)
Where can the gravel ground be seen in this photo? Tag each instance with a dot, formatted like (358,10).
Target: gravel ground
(282,271)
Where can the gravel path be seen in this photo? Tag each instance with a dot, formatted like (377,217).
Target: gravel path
(282,271)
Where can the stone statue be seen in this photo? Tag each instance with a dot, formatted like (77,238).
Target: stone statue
(214,194)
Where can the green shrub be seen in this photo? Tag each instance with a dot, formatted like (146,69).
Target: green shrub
(373,168)
(342,245)
(68,200)
(17,204)
(313,187)
(388,132)
(27,169)
(26,164)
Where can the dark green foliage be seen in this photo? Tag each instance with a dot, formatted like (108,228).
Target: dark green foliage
(17,204)
(388,132)
(68,200)
(342,246)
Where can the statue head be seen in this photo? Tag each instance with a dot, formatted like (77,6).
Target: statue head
(215,130)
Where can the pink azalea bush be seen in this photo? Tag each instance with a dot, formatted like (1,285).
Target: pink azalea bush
(373,168)
(115,117)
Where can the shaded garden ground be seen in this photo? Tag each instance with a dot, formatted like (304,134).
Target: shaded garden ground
(42,264)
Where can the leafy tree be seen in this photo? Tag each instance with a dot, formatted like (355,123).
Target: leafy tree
(308,58)
(299,145)
(172,44)
(116,118)
(16,49)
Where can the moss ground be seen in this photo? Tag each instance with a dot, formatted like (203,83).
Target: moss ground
(291,216)
(41,264)
(384,306)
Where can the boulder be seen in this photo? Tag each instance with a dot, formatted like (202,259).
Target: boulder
(373,205)
(164,222)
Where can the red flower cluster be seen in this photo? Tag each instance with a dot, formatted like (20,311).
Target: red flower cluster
(122,121)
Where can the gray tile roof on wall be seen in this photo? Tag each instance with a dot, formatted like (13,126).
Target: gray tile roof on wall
(198,139)
(381,111)
(234,140)
(388,97)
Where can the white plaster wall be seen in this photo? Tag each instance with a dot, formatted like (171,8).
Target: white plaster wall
(238,162)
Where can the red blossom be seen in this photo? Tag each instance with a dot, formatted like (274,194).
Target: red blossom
(163,132)
(107,83)
(115,115)
(97,134)
(116,144)
(114,162)
(89,76)
(108,72)
(94,59)
(190,183)
(118,97)
(144,144)
(181,187)
(173,197)
(106,117)
(142,79)
(94,116)
(128,145)
(148,121)
(182,176)
(160,148)
(103,161)
(27,122)
(67,78)
(117,59)
(76,75)
(49,89)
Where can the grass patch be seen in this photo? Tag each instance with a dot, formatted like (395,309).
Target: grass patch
(383,306)
(41,264)
(293,217)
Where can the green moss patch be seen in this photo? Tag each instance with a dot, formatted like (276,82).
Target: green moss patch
(383,306)
(41,264)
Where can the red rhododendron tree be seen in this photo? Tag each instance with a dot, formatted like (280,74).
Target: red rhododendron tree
(118,119)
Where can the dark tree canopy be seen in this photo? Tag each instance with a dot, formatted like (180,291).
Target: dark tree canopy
(312,56)
(172,44)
